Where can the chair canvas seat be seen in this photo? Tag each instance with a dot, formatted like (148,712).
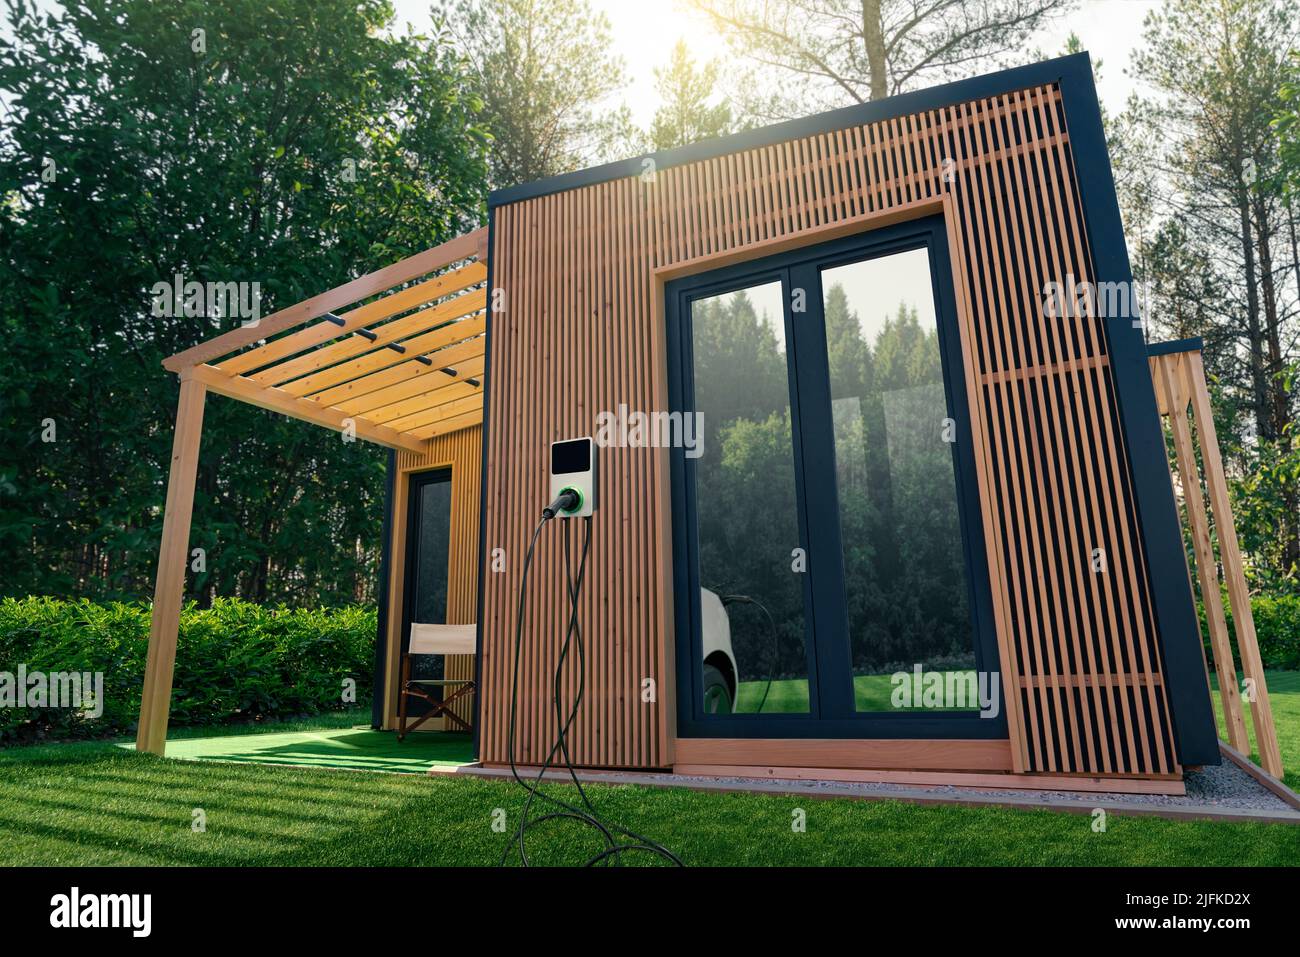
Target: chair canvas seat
(428,639)
(442,639)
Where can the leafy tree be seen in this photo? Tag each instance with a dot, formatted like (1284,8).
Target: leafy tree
(686,114)
(545,74)
(295,144)
(1213,215)
(851,51)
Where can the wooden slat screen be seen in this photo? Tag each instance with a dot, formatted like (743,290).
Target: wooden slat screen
(462,452)
(580,333)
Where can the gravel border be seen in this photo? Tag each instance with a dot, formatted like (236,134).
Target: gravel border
(1215,791)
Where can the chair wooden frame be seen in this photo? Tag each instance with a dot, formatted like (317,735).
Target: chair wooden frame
(426,640)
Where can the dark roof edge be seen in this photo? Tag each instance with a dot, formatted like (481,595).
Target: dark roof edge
(947,94)
(1194,344)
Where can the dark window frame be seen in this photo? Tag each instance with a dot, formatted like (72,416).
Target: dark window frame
(415,483)
(832,711)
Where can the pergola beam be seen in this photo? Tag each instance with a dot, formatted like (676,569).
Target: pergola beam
(469,246)
(277,401)
(431,322)
(354,319)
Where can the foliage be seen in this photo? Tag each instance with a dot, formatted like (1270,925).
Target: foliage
(849,51)
(235,661)
(296,144)
(1277,627)
(1200,173)
(545,75)
(1286,122)
(686,114)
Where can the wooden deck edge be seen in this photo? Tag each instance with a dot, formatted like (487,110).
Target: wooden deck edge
(968,779)
(922,796)
(1265,779)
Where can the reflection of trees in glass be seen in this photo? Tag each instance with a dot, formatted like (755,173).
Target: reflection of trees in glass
(903,563)
(745,480)
(905,575)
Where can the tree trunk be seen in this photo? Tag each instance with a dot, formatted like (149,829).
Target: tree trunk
(1289,520)
(873,34)
(1258,378)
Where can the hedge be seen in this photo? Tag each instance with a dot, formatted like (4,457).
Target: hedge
(235,661)
(1277,626)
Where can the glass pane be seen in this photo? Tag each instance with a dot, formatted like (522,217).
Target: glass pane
(746,508)
(429,598)
(910,629)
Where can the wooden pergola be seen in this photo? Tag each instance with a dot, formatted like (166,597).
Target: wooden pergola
(403,365)
(1178,374)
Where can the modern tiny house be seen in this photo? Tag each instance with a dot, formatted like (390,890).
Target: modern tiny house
(902,511)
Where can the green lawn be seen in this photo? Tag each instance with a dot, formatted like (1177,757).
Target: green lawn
(98,803)
(1284,695)
(790,696)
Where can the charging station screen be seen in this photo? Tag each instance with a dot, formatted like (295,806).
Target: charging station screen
(567,457)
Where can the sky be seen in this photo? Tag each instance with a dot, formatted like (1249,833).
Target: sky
(644,32)
(874,288)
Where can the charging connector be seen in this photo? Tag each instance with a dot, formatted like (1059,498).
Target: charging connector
(569,500)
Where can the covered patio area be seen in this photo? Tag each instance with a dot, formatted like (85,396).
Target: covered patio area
(358,748)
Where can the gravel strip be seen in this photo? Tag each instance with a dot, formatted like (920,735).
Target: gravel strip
(1224,786)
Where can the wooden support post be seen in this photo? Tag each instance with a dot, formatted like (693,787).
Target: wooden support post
(1174,386)
(173,553)
(1261,711)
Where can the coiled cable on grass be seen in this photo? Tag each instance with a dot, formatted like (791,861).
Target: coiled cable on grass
(615,836)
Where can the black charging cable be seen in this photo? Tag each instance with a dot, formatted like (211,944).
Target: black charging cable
(614,835)
(776,642)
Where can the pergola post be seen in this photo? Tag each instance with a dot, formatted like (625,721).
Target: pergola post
(173,553)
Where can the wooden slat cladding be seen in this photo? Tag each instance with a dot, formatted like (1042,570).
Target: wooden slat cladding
(581,332)
(462,452)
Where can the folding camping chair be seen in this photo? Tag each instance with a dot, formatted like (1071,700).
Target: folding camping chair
(434,640)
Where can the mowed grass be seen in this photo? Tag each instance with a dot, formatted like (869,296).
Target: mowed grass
(870,693)
(1284,696)
(96,803)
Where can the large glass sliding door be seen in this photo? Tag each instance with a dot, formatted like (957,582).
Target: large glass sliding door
(826,528)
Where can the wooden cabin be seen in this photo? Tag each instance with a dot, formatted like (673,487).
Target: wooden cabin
(928,442)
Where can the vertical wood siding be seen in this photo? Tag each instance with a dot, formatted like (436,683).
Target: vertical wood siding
(580,333)
(461,452)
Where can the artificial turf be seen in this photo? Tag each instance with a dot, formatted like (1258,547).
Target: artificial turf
(358,749)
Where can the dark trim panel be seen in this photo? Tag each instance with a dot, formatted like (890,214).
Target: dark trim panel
(1177,627)
(948,94)
(1194,344)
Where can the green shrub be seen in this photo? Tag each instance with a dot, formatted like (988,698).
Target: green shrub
(235,661)
(1277,626)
